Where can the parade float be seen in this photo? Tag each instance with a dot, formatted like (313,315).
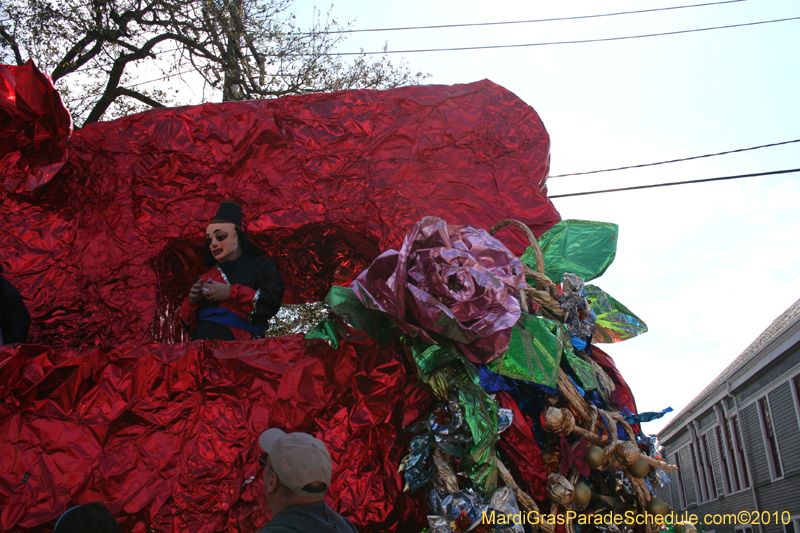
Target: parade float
(453,371)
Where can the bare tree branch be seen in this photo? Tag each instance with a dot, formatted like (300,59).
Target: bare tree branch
(139,96)
(241,49)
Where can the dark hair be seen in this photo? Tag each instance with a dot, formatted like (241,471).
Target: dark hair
(248,247)
(92,517)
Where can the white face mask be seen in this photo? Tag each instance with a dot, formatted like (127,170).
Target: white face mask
(222,240)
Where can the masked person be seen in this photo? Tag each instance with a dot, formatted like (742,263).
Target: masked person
(235,299)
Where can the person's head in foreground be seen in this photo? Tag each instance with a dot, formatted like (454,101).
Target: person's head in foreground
(88,518)
(297,468)
(297,473)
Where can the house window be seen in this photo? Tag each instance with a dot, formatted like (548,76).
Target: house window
(737,431)
(769,436)
(744,529)
(723,461)
(736,486)
(681,492)
(796,382)
(711,486)
(702,489)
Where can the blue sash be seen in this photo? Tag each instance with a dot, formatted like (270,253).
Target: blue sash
(226,317)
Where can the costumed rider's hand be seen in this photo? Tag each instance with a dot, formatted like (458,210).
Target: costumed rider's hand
(196,292)
(216,292)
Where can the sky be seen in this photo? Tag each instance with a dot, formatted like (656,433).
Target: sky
(708,266)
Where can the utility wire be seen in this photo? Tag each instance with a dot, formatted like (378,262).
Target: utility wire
(579,17)
(440,26)
(637,187)
(676,160)
(458,49)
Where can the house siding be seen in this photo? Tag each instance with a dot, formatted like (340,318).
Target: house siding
(716,467)
(741,501)
(754,446)
(784,415)
(687,474)
(780,496)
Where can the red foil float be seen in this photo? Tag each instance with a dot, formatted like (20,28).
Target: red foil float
(104,240)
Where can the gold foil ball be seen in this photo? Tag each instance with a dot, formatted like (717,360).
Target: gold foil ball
(559,489)
(582,494)
(595,457)
(657,506)
(639,469)
(629,452)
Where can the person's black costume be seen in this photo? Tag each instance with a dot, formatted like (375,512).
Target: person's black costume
(256,286)
(14,318)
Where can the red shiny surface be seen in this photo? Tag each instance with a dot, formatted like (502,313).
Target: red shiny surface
(105,248)
(35,128)
(621,397)
(519,446)
(167,435)
(106,251)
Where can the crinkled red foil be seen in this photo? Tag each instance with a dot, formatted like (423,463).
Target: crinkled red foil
(34,129)
(107,250)
(167,435)
(621,397)
(104,250)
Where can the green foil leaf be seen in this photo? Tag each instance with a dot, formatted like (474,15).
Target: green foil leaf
(583,370)
(429,357)
(344,302)
(325,331)
(581,247)
(480,412)
(615,322)
(534,353)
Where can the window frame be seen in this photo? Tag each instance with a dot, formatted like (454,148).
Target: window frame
(741,450)
(771,447)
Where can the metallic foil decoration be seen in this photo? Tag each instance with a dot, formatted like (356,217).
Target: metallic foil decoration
(615,322)
(34,129)
(505,417)
(583,370)
(520,450)
(480,412)
(456,282)
(534,352)
(580,318)
(621,396)
(418,467)
(105,250)
(104,240)
(346,305)
(503,502)
(580,247)
(464,511)
(647,417)
(166,435)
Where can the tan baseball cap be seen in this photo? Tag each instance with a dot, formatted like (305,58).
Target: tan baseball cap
(298,459)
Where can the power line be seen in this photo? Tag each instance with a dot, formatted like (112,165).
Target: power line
(676,160)
(579,17)
(166,77)
(637,187)
(462,48)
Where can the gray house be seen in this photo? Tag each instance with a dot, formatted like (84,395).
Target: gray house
(737,444)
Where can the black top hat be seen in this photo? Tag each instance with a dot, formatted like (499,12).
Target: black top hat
(231,212)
